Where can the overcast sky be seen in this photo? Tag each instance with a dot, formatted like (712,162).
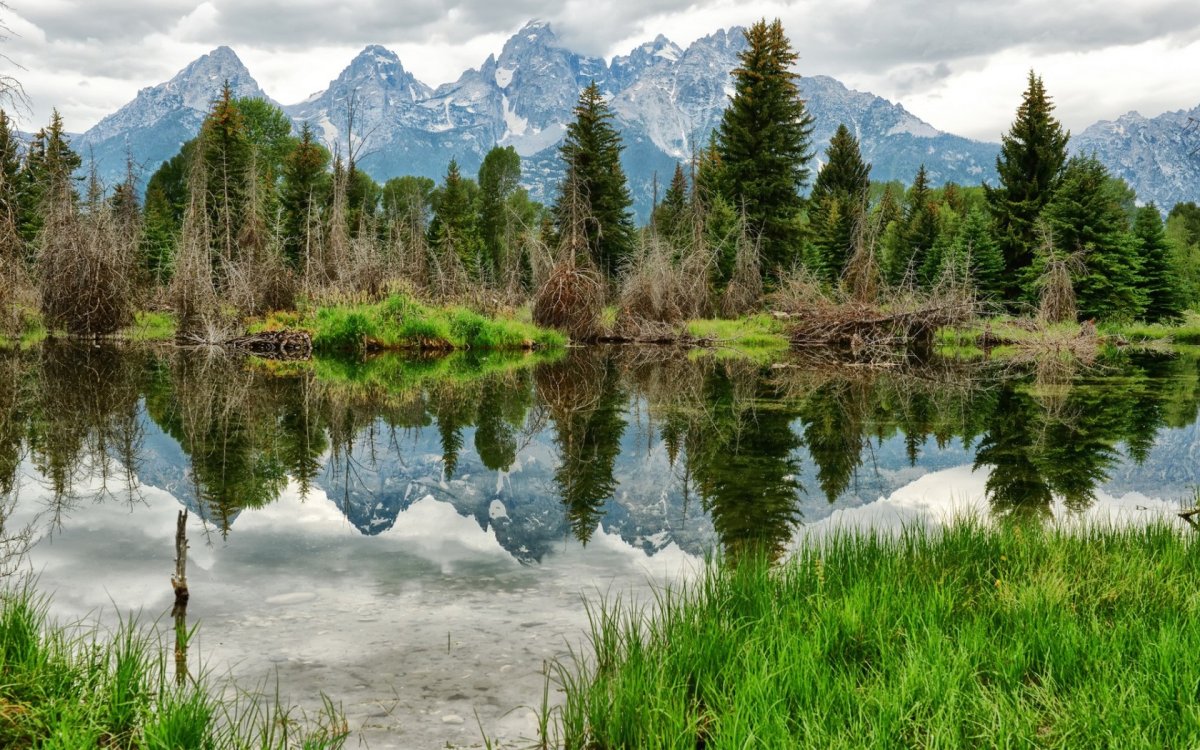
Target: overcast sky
(959,64)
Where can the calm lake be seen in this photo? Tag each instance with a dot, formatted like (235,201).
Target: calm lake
(417,537)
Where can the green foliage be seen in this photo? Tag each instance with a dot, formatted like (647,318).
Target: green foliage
(499,184)
(1032,156)
(225,147)
(591,152)
(962,637)
(68,688)
(455,224)
(765,144)
(1085,216)
(1183,238)
(838,203)
(672,218)
(976,249)
(304,190)
(1160,283)
(401,322)
(916,233)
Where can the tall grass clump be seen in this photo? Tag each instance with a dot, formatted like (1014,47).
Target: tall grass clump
(71,688)
(968,637)
(402,322)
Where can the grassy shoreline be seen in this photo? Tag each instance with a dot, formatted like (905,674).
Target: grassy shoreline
(79,687)
(1007,636)
(1005,336)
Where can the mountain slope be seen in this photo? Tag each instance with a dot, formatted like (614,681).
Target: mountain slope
(665,100)
(1159,157)
(151,128)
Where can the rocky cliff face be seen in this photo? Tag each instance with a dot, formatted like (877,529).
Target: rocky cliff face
(666,100)
(1158,156)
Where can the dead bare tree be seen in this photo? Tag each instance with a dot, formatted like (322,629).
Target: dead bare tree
(192,293)
(85,266)
(570,297)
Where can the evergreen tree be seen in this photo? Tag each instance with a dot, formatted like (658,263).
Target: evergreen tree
(49,162)
(975,247)
(591,152)
(838,202)
(499,179)
(1183,236)
(1086,217)
(1032,155)
(706,164)
(765,140)
(226,150)
(672,218)
(1160,285)
(455,226)
(918,231)
(12,185)
(304,188)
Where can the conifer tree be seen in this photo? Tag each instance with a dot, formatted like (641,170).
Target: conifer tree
(454,225)
(48,159)
(12,184)
(305,184)
(592,154)
(1032,155)
(225,149)
(1160,285)
(672,217)
(706,164)
(1086,217)
(975,247)
(918,231)
(765,144)
(838,203)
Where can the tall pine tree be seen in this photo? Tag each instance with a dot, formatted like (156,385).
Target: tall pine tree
(765,144)
(1032,155)
(1164,297)
(672,217)
(591,152)
(838,203)
(1086,217)
(455,226)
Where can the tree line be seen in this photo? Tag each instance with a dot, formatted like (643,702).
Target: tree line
(250,216)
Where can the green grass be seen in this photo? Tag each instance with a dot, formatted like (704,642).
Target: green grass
(758,337)
(396,374)
(152,326)
(70,688)
(1006,637)
(1184,331)
(400,322)
(31,331)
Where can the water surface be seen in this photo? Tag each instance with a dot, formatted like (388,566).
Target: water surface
(416,537)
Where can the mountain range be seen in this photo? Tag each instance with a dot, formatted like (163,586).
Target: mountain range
(665,99)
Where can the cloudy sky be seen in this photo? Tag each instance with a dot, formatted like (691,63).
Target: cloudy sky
(959,64)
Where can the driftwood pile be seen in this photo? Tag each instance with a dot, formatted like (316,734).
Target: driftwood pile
(898,321)
(286,345)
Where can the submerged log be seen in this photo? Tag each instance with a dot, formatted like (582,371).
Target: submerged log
(275,344)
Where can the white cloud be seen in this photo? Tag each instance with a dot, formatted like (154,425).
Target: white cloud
(959,64)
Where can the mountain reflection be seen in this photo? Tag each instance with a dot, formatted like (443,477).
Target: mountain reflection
(654,445)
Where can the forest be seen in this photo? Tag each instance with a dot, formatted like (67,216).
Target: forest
(251,219)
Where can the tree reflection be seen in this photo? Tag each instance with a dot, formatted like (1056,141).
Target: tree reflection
(587,406)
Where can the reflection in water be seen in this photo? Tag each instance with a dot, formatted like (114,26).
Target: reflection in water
(537,448)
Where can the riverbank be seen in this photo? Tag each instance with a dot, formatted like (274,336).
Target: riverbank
(1008,635)
(1005,337)
(76,687)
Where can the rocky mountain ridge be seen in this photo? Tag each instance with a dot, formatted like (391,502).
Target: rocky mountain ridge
(666,99)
